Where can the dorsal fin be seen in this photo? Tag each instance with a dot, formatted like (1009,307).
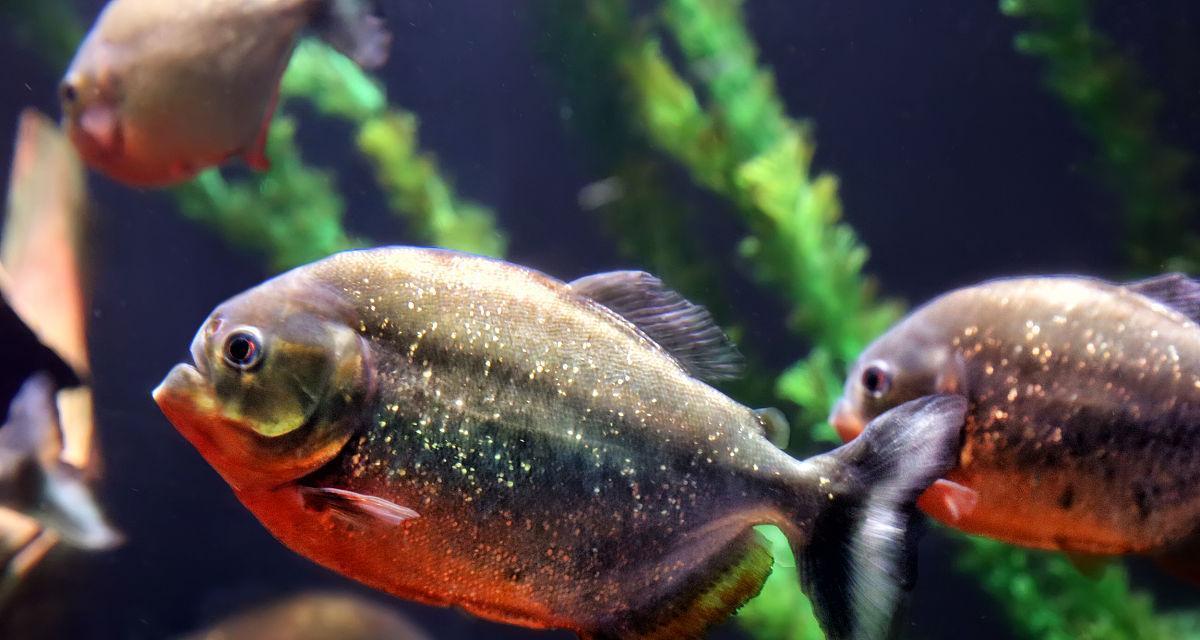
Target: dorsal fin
(1174,290)
(687,331)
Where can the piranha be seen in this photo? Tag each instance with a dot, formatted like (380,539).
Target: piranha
(161,89)
(463,431)
(1083,433)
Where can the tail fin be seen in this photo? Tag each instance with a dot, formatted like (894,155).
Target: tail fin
(356,28)
(860,555)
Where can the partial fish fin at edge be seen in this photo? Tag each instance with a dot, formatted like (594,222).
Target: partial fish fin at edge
(1175,290)
(356,28)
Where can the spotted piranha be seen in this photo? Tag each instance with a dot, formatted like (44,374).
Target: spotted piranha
(1083,432)
(161,89)
(463,431)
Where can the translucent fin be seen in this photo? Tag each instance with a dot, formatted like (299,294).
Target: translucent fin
(356,508)
(860,556)
(41,245)
(775,426)
(356,28)
(1175,290)
(733,575)
(948,502)
(69,508)
(687,331)
(61,500)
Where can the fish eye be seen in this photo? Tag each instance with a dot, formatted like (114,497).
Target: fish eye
(876,380)
(68,93)
(243,349)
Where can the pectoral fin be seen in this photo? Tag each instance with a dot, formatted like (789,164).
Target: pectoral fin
(356,508)
(948,501)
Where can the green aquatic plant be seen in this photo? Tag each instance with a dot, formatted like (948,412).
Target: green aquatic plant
(1110,102)
(387,136)
(292,214)
(742,145)
(1054,601)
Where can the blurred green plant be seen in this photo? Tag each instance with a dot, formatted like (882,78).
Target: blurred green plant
(50,27)
(388,137)
(1105,93)
(741,145)
(292,214)
(1054,601)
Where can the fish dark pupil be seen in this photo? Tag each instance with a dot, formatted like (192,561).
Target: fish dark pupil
(875,381)
(242,350)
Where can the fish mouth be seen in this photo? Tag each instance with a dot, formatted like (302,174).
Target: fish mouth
(846,421)
(183,384)
(98,130)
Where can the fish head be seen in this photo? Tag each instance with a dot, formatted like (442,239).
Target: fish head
(908,362)
(90,97)
(277,380)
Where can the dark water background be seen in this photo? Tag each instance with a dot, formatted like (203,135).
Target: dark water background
(955,165)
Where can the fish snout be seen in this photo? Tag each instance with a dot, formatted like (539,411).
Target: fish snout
(96,131)
(846,420)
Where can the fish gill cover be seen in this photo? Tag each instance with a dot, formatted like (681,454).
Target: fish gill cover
(692,95)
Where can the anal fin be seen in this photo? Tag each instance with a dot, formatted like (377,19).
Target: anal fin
(706,596)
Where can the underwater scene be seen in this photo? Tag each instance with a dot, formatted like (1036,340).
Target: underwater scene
(608,319)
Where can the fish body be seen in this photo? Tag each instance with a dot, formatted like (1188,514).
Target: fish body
(485,436)
(160,90)
(1083,432)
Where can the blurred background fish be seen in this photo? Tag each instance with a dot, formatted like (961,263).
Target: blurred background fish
(47,444)
(162,89)
(315,615)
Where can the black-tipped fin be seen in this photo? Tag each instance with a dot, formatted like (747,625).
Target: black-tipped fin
(860,557)
(356,508)
(1174,290)
(733,572)
(356,28)
(687,331)
(775,426)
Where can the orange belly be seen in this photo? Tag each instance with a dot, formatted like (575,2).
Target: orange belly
(1017,510)
(415,560)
